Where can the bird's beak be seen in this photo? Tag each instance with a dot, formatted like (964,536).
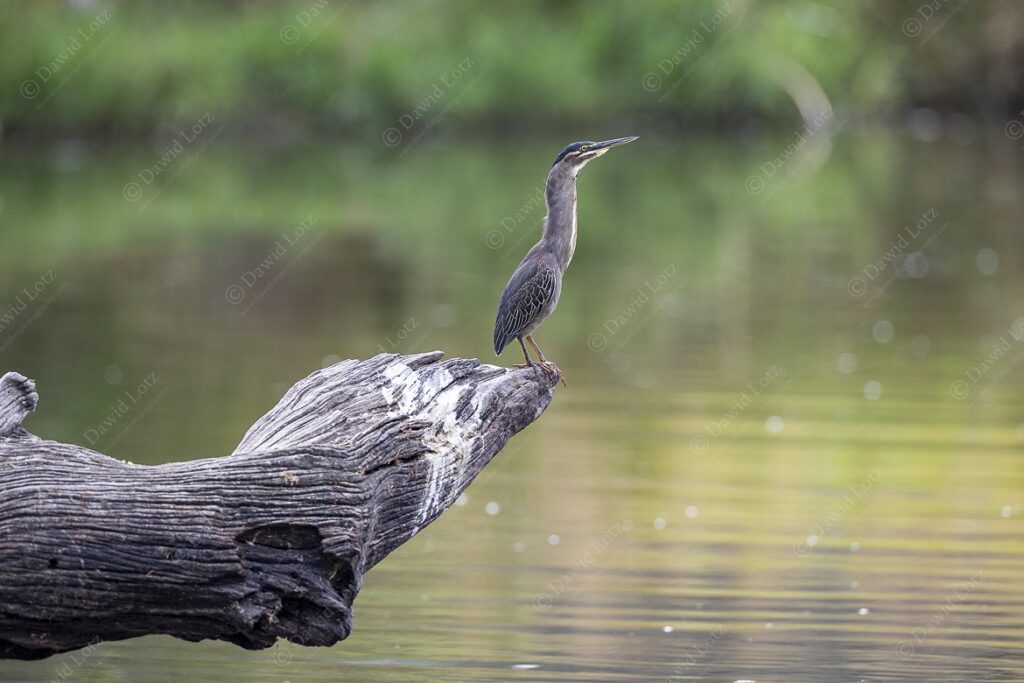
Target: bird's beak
(608,144)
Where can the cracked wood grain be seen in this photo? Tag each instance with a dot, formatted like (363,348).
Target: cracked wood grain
(269,542)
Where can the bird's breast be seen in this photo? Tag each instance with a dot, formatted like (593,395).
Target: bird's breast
(572,240)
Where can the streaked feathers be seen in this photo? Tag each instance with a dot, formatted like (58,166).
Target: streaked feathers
(526,294)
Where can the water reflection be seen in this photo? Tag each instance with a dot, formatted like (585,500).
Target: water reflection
(787,451)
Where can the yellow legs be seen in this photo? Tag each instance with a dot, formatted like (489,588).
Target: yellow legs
(547,366)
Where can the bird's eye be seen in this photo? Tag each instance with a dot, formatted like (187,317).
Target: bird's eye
(584,148)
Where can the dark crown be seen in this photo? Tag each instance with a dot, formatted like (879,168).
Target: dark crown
(570,148)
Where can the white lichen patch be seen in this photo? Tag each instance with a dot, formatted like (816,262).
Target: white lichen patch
(431,394)
(415,393)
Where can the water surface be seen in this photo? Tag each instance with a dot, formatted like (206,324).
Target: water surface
(789,449)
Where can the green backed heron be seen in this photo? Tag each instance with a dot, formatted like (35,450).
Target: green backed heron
(532,292)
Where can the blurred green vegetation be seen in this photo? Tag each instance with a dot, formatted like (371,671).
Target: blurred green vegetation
(126,68)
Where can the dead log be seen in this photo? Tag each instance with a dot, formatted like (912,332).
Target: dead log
(269,542)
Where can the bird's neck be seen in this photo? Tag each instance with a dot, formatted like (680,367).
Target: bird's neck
(560,223)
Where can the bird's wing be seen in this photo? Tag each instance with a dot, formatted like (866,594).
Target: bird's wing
(525,295)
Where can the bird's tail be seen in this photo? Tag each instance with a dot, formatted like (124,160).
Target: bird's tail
(501,339)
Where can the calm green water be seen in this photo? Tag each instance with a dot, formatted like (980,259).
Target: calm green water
(790,447)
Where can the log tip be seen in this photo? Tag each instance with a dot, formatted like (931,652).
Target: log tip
(18,398)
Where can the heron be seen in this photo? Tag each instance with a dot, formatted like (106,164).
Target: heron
(532,292)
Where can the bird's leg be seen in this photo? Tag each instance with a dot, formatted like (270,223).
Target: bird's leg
(536,348)
(548,366)
(529,363)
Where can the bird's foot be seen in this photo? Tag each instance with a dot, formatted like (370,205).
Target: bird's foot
(552,370)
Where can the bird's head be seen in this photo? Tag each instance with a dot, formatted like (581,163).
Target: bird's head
(576,155)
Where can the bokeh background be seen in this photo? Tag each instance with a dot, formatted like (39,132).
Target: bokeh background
(790,446)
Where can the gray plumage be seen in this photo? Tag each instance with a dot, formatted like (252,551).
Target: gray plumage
(532,292)
(529,297)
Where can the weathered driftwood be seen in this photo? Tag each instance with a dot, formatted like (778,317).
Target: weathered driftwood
(269,542)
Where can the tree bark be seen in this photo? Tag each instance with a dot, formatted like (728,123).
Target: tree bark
(269,542)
